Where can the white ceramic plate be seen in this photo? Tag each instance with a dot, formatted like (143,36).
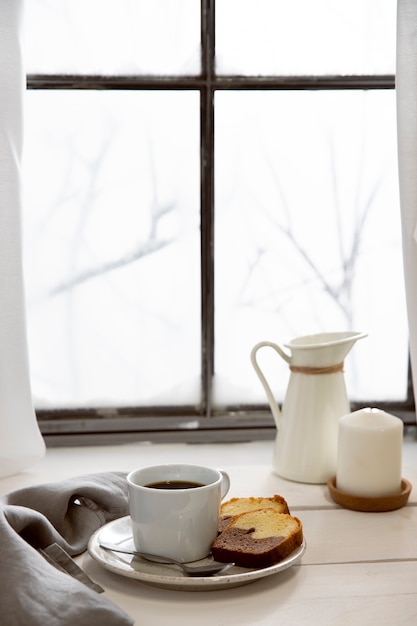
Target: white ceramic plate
(169,576)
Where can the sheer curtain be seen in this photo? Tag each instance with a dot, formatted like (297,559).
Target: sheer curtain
(21,443)
(406,91)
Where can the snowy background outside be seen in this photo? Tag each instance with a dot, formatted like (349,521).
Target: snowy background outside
(307,216)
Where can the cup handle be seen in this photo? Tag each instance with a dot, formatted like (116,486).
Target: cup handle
(225,482)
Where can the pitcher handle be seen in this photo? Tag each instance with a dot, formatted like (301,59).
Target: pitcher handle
(270,396)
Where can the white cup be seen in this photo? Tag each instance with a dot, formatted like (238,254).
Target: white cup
(180,523)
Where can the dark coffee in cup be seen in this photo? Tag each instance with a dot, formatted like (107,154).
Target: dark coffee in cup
(174,484)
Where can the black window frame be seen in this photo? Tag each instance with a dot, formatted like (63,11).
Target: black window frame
(204,422)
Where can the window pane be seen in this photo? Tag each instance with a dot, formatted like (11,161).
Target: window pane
(112,247)
(261,37)
(308,235)
(112,37)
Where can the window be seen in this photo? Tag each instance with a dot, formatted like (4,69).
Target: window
(201,177)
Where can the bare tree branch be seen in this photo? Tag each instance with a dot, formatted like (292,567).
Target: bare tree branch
(147,248)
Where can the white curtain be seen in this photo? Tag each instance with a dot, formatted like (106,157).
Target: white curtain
(406,92)
(21,443)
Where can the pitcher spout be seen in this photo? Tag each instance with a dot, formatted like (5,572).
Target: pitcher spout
(322,349)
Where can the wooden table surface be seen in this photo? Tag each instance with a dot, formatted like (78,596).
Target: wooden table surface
(359,568)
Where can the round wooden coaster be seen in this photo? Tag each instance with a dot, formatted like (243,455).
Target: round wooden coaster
(370,505)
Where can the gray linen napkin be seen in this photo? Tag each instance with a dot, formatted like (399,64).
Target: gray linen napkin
(33,590)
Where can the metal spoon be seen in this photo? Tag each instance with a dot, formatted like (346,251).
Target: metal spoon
(191,570)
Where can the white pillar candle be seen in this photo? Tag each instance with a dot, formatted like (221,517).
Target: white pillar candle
(369,453)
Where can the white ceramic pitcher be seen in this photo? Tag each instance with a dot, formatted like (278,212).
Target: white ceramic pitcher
(306,442)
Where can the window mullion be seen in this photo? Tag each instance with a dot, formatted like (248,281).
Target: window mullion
(207,202)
